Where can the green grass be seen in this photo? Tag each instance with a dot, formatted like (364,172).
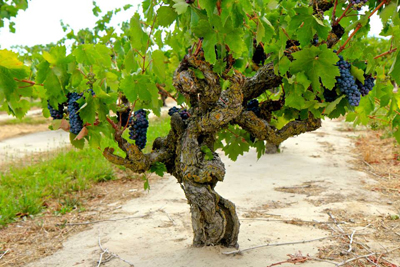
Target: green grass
(24,190)
(25,120)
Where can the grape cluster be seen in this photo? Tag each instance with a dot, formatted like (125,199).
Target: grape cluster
(182,112)
(259,55)
(253,105)
(76,123)
(173,110)
(347,83)
(56,114)
(138,129)
(91,91)
(330,95)
(358,3)
(123,116)
(367,86)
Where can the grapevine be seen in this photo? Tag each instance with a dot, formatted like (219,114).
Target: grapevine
(56,114)
(138,129)
(76,123)
(367,86)
(253,105)
(123,116)
(347,83)
(358,3)
(182,112)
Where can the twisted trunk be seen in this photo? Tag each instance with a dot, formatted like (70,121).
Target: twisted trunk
(214,218)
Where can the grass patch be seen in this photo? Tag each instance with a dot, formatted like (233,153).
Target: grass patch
(25,190)
(25,120)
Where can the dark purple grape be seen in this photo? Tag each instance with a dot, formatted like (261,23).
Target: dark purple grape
(367,86)
(347,83)
(56,114)
(75,122)
(138,129)
(182,112)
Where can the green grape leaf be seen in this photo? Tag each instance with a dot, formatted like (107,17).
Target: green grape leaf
(180,6)
(307,25)
(395,69)
(165,16)
(129,88)
(138,37)
(357,73)
(205,30)
(89,54)
(208,153)
(88,111)
(332,105)
(80,144)
(260,148)
(209,6)
(159,66)
(318,63)
(158,168)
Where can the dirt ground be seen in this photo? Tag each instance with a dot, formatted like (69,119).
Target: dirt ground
(8,131)
(318,203)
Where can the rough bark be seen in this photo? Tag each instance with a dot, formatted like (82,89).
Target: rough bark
(214,218)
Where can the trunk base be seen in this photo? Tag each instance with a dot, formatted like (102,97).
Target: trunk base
(214,219)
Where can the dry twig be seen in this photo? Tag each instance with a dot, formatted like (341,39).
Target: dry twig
(2,255)
(277,244)
(287,220)
(112,255)
(109,220)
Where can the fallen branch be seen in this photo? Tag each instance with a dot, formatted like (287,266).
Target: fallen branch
(166,213)
(287,220)
(351,242)
(293,258)
(295,187)
(364,256)
(2,255)
(278,244)
(113,255)
(109,220)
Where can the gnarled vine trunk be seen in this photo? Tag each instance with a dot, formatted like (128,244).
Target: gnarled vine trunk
(214,218)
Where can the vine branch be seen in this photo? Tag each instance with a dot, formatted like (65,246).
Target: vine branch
(386,53)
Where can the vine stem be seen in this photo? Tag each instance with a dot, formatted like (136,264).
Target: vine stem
(31,83)
(386,53)
(342,16)
(358,26)
(165,91)
(387,108)
(130,115)
(112,123)
(148,42)
(334,12)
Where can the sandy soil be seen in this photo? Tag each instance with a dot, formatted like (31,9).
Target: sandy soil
(311,178)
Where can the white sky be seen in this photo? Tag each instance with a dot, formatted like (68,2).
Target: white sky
(40,23)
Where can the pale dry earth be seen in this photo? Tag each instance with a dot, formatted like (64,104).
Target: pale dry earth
(319,162)
(19,141)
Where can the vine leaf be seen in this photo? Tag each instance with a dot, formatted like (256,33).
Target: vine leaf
(158,168)
(357,73)
(208,153)
(204,29)
(333,105)
(318,64)
(180,6)
(307,25)
(395,69)
(166,15)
